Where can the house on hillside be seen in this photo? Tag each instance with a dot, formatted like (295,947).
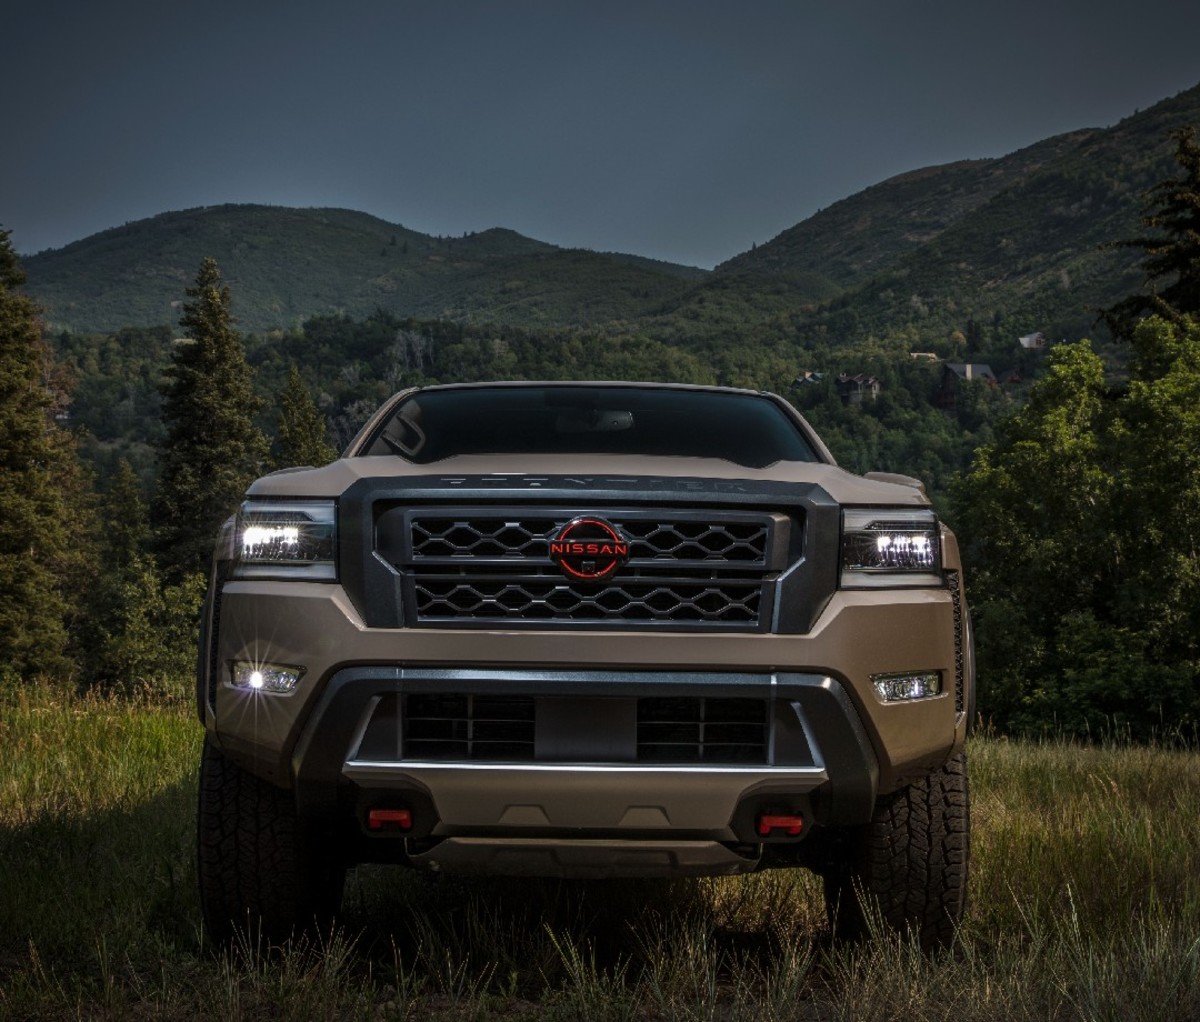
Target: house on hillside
(854,389)
(955,374)
(924,356)
(1033,342)
(807,376)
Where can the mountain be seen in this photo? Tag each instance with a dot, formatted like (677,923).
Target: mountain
(284,265)
(997,247)
(873,229)
(1011,245)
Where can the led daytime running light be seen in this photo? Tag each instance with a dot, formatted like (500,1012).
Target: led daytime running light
(284,539)
(890,547)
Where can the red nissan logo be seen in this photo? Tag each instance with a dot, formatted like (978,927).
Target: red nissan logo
(589,549)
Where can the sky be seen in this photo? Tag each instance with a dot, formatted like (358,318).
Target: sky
(684,131)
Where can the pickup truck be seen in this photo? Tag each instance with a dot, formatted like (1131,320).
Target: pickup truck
(585,630)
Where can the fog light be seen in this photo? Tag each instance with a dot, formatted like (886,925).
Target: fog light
(274,678)
(896,688)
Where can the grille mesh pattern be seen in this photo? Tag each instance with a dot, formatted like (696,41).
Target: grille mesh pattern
(650,539)
(547,600)
(685,567)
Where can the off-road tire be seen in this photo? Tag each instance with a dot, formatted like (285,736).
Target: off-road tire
(259,873)
(908,867)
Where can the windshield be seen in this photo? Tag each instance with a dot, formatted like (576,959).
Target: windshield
(742,428)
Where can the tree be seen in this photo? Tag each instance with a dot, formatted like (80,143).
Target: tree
(1156,455)
(1033,514)
(35,456)
(212,449)
(1081,526)
(1084,516)
(301,439)
(140,633)
(1173,255)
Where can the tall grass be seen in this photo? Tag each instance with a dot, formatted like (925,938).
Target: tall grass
(1085,904)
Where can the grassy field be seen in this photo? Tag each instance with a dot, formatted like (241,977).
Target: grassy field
(1085,904)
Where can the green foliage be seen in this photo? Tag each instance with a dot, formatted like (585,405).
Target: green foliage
(1156,457)
(292,264)
(36,473)
(1082,528)
(1085,515)
(873,230)
(149,640)
(352,366)
(1034,253)
(301,437)
(212,450)
(115,395)
(349,366)
(1173,255)
(140,633)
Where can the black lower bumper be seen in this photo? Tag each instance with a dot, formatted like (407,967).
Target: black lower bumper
(584,775)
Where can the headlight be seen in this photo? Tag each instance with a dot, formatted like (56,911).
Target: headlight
(890,547)
(286,539)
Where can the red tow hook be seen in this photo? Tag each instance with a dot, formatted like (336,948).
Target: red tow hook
(389,819)
(790,823)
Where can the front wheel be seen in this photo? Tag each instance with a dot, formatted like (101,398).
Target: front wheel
(259,873)
(908,866)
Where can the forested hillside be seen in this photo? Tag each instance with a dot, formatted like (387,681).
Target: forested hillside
(986,249)
(288,264)
(1036,255)
(869,232)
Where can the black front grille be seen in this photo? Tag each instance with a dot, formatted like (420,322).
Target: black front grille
(687,568)
(547,599)
(655,538)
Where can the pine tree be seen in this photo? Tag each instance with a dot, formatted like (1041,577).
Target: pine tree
(35,457)
(1173,255)
(212,449)
(301,439)
(140,632)
(126,526)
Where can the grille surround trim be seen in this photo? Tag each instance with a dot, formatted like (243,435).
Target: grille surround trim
(481,565)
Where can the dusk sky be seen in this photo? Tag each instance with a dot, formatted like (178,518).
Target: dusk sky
(682,131)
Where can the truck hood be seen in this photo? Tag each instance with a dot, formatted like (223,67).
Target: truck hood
(593,469)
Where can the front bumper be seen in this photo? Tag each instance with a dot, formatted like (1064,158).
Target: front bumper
(549,816)
(859,633)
